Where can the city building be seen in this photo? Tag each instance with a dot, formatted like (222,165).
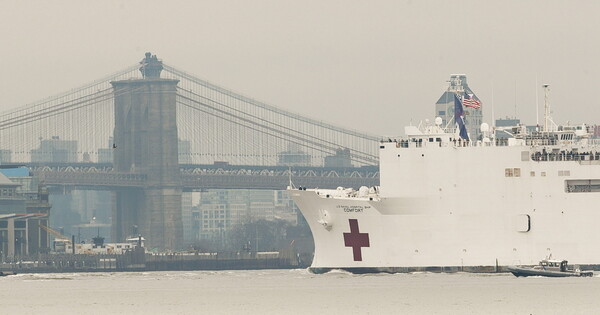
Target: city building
(24,208)
(22,193)
(285,208)
(185,152)
(81,213)
(21,234)
(10,202)
(186,216)
(5,156)
(221,210)
(444,107)
(341,158)
(75,210)
(105,155)
(55,150)
(293,156)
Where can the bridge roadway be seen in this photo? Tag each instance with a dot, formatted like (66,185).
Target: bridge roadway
(96,176)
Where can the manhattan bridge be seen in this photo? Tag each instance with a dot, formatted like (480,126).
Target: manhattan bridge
(150,132)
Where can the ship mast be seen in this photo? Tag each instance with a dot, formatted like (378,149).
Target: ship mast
(546,107)
(537,106)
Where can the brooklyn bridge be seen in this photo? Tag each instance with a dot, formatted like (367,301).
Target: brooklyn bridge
(149,132)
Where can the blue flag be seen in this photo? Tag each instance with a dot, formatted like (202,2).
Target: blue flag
(458,113)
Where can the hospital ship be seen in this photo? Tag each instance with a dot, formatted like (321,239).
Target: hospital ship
(449,203)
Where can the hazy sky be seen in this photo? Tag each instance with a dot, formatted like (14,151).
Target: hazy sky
(366,65)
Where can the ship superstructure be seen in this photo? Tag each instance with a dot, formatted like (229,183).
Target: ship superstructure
(446,203)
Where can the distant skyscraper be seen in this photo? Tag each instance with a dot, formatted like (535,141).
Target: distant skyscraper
(220,210)
(294,156)
(185,152)
(55,150)
(444,107)
(342,158)
(5,156)
(186,216)
(105,155)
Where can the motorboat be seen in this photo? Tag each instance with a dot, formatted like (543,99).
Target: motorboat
(550,268)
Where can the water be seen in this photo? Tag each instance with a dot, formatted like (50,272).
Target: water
(294,292)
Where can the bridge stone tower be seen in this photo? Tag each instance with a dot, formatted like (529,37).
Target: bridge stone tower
(146,142)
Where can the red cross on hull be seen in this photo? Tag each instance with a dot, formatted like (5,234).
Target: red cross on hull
(356,240)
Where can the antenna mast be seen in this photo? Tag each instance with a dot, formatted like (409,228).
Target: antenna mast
(537,106)
(493,116)
(546,107)
(515,98)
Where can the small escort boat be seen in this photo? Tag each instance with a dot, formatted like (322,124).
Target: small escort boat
(549,268)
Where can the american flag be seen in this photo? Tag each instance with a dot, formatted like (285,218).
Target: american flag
(471,102)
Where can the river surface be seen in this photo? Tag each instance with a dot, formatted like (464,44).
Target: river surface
(295,292)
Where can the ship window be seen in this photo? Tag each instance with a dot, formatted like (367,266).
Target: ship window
(564,173)
(512,172)
(543,174)
(582,185)
(442,113)
(532,174)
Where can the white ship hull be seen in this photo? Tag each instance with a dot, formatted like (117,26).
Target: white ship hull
(445,207)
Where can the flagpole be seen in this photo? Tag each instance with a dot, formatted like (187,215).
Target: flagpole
(546,108)
(515,99)
(493,117)
(537,105)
